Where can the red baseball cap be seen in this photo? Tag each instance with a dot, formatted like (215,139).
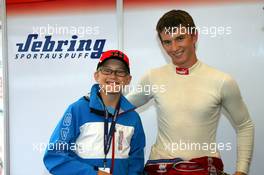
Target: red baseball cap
(114,54)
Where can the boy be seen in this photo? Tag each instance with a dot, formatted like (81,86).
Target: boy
(100,134)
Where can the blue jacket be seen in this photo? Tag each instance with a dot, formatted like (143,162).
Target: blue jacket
(77,146)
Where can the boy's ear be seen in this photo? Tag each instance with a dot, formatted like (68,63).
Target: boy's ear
(129,78)
(96,75)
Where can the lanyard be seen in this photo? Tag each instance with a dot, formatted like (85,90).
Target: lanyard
(108,136)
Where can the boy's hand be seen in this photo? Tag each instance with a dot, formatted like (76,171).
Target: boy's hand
(103,173)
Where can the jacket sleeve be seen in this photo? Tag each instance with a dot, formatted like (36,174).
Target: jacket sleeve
(136,154)
(142,93)
(241,121)
(59,157)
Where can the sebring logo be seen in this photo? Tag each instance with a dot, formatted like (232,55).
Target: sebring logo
(48,48)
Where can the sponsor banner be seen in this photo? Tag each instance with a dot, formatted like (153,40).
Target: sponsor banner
(53,51)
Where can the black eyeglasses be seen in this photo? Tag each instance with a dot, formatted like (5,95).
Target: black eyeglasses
(108,71)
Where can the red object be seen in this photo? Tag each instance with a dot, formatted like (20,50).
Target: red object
(116,54)
(198,166)
(113,155)
(182,71)
(49,7)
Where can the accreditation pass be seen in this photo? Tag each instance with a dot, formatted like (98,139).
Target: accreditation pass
(106,170)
